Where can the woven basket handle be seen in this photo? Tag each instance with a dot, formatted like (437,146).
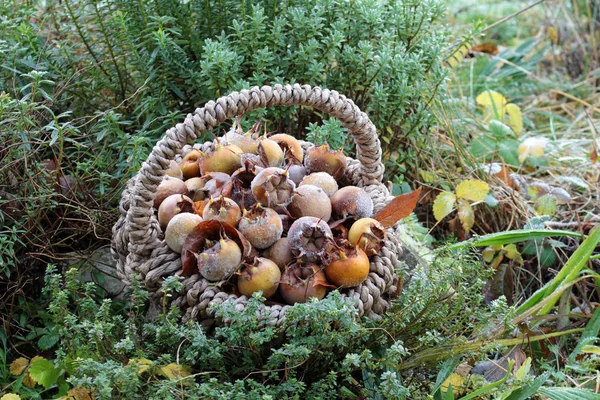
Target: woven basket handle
(227,107)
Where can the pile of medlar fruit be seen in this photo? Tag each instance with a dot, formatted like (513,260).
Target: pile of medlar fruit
(259,213)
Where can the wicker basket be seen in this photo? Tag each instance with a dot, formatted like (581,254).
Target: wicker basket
(138,243)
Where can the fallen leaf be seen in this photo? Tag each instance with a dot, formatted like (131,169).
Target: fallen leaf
(18,366)
(400,207)
(472,189)
(10,396)
(455,380)
(175,371)
(594,155)
(443,205)
(489,252)
(511,252)
(465,214)
(489,48)
(492,100)
(78,393)
(515,118)
(545,205)
(533,146)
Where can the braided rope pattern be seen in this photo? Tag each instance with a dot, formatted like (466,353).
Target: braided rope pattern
(138,242)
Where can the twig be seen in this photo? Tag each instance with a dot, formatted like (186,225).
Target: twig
(503,20)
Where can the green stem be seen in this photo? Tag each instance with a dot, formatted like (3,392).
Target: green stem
(84,40)
(110,50)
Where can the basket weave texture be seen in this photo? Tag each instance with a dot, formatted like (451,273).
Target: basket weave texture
(138,243)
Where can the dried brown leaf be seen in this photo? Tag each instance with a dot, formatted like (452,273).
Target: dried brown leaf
(398,208)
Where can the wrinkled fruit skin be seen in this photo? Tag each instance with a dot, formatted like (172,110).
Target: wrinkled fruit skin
(178,229)
(349,268)
(368,234)
(272,188)
(222,209)
(261,227)
(263,275)
(308,238)
(297,172)
(220,261)
(310,201)
(167,187)
(301,282)
(280,253)
(173,205)
(352,201)
(323,159)
(174,170)
(322,180)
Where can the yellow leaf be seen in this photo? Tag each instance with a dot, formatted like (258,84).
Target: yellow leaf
(458,55)
(454,379)
(493,101)
(472,189)
(443,205)
(465,214)
(28,381)
(552,34)
(515,118)
(10,396)
(488,254)
(18,366)
(141,364)
(175,371)
(512,253)
(523,370)
(533,146)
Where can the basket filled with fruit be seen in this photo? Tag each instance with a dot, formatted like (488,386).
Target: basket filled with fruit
(252,212)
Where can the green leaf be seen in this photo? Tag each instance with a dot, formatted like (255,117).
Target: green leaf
(491,386)
(446,369)
(523,370)
(500,130)
(564,393)
(507,149)
(589,349)
(545,205)
(48,340)
(590,333)
(443,205)
(43,372)
(491,200)
(567,273)
(527,392)
(516,236)
(483,146)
